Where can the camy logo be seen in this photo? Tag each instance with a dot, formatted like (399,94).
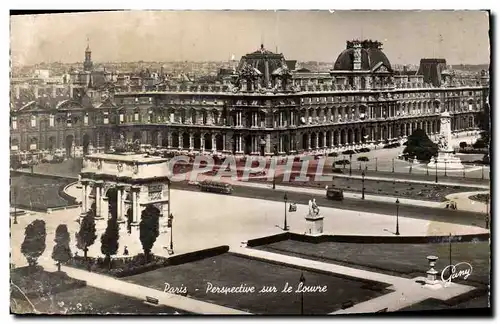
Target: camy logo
(457,271)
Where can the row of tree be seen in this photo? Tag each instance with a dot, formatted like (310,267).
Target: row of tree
(35,236)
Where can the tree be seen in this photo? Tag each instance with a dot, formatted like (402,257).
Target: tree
(86,236)
(421,146)
(34,241)
(61,252)
(149,229)
(109,240)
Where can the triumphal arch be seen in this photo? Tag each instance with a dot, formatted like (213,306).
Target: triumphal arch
(125,184)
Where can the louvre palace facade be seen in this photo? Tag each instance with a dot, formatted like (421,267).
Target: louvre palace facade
(264,107)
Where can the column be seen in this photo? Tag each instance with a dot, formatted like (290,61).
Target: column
(280,149)
(292,123)
(239,143)
(390,131)
(180,141)
(324,139)
(169,140)
(98,185)
(159,139)
(239,118)
(202,142)
(214,146)
(280,119)
(309,142)
(119,210)
(85,185)
(339,140)
(331,139)
(317,141)
(191,141)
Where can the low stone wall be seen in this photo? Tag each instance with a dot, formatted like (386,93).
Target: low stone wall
(367,239)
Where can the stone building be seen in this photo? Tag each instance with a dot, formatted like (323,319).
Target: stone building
(267,108)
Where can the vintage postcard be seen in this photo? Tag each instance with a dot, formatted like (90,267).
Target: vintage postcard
(250,162)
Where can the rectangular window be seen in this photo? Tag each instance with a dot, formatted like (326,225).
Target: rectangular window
(14,122)
(33,121)
(136,116)
(121,118)
(106,119)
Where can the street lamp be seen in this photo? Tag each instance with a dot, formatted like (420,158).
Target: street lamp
(302,281)
(285,226)
(170,224)
(435,164)
(397,216)
(363,183)
(350,164)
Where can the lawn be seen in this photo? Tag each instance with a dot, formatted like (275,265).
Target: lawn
(407,260)
(56,293)
(484,198)
(385,188)
(37,192)
(230,270)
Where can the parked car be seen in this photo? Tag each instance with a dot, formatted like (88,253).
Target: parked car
(333,193)
(337,170)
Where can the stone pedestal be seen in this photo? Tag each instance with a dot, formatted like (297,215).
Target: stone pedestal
(314,225)
(446,160)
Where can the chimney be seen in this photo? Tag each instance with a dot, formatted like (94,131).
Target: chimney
(357,55)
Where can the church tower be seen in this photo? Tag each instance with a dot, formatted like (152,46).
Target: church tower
(87,64)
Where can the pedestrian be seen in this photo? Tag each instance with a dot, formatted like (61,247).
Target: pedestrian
(125,251)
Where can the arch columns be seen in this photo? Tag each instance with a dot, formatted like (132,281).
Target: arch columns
(98,199)
(85,196)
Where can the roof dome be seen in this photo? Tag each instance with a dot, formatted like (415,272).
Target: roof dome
(263,60)
(371,56)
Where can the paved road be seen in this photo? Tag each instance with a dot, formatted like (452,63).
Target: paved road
(426,213)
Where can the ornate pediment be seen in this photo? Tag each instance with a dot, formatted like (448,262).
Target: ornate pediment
(380,68)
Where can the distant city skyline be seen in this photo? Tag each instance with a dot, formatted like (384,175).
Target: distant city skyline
(460,37)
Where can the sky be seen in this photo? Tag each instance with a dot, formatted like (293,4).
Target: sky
(461,37)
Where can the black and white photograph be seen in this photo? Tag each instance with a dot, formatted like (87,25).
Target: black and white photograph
(250,162)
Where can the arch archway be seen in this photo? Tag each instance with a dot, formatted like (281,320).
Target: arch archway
(356,136)
(69,142)
(219,142)
(321,138)
(207,138)
(363,135)
(175,140)
(305,141)
(185,141)
(154,138)
(342,137)
(335,137)
(314,143)
(85,142)
(197,141)
(112,195)
(350,137)
(51,145)
(329,139)
(164,140)
(137,136)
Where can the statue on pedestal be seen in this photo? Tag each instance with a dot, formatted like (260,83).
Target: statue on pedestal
(443,143)
(313,208)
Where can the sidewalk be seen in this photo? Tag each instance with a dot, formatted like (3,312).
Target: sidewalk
(406,291)
(140,292)
(464,203)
